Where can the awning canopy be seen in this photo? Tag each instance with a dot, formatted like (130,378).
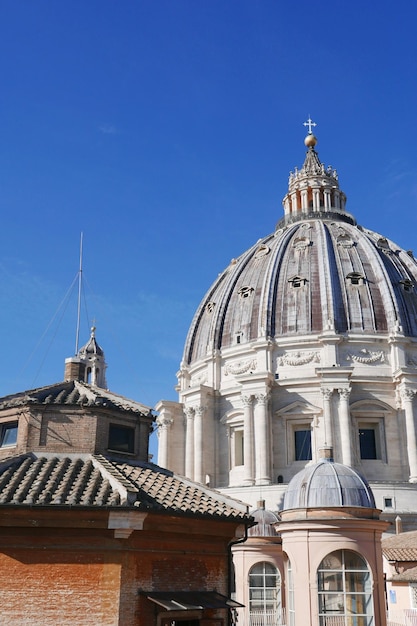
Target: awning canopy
(192,600)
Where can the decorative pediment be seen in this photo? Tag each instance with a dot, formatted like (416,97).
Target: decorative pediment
(299,408)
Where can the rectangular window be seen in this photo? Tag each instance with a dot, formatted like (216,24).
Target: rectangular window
(8,434)
(238,440)
(367,443)
(121,439)
(413,594)
(370,441)
(302,445)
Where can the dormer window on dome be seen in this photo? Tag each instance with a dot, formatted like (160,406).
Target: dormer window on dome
(355,278)
(245,292)
(297,281)
(407,285)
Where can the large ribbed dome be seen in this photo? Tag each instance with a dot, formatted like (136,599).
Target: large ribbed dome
(306,342)
(328,484)
(319,270)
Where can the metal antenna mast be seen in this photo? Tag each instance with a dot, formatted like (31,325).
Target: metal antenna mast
(80,278)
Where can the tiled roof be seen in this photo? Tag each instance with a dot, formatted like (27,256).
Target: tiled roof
(97,481)
(74,392)
(160,489)
(401,547)
(408,576)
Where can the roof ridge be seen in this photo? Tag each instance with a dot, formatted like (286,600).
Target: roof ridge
(128,491)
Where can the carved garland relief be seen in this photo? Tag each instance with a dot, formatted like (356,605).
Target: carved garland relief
(298,358)
(240,367)
(367,357)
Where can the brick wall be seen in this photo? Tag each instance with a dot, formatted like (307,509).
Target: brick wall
(68,576)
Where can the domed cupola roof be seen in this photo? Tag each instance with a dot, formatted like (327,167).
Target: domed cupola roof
(318,271)
(327,484)
(91,347)
(265,522)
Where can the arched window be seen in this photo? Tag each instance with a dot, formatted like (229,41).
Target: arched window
(345,590)
(264,595)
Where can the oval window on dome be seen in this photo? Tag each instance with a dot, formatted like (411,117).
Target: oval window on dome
(301,243)
(262,250)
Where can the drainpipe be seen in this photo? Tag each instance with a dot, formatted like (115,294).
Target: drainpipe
(229,565)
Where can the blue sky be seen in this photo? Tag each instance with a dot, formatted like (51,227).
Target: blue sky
(164,130)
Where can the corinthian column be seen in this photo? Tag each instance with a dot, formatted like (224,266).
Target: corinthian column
(164,424)
(407,396)
(345,430)
(262,430)
(327,417)
(198,444)
(247,402)
(189,442)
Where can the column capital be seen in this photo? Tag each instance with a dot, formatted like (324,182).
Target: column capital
(247,400)
(262,398)
(189,412)
(164,423)
(407,393)
(326,392)
(344,393)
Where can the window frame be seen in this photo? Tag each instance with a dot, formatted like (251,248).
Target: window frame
(352,586)
(373,415)
(293,425)
(236,436)
(375,424)
(6,427)
(269,602)
(132,439)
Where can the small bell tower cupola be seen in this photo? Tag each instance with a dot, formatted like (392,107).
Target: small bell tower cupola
(89,364)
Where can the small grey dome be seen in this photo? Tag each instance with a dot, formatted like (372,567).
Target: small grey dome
(91,347)
(266,521)
(328,484)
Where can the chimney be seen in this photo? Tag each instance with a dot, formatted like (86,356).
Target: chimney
(74,369)
(326,453)
(398,525)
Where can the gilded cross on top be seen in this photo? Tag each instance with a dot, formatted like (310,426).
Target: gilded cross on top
(310,123)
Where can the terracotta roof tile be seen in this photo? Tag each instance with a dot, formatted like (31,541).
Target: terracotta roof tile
(401,547)
(74,392)
(409,576)
(98,481)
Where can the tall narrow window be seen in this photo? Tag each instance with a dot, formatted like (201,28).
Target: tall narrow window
(345,590)
(238,447)
(302,445)
(264,594)
(367,443)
